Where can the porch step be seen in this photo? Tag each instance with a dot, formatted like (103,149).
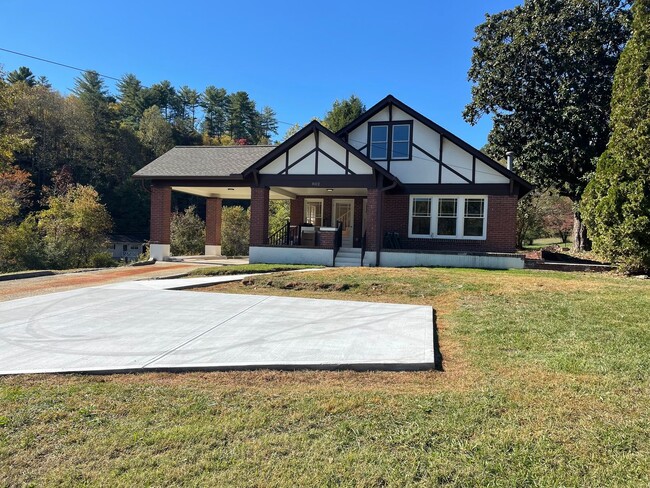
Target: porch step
(348,256)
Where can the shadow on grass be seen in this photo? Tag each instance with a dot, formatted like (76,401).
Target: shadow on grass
(437,354)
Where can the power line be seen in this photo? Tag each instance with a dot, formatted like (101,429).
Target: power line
(57,63)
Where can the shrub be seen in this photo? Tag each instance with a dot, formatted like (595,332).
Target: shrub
(102,260)
(187,233)
(235,231)
(21,247)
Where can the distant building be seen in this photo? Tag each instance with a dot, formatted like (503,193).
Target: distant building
(125,247)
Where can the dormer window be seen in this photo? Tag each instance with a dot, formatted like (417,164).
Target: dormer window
(390,140)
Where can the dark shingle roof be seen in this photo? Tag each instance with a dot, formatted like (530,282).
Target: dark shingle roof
(203,161)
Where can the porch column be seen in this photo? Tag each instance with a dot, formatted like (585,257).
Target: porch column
(161,212)
(213,227)
(373,226)
(296,211)
(259,216)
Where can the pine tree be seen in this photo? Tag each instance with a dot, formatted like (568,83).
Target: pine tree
(216,105)
(617,200)
(343,112)
(131,98)
(22,74)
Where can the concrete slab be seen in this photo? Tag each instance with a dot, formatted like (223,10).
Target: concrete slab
(128,327)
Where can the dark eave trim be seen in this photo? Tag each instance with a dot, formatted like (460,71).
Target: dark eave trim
(318,181)
(463,189)
(234,177)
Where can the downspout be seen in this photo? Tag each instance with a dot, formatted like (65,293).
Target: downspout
(380,240)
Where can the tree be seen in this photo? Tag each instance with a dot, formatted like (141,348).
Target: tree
(557,216)
(617,200)
(131,95)
(268,123)
(189,100)
(243,118)
(235,229)
(155,132)
(15,192)
(343,112)
(544,72)
(216,105)
(75,226)
(187,233)
(22,75)
(164,96)
(279,213)
(530,219)
(20,246)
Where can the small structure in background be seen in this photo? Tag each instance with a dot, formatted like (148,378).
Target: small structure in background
(125,247)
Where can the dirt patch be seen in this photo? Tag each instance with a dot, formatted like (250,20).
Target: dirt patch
(297,285)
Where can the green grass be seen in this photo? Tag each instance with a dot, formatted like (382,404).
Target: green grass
(247,269)
(548,241)
(546,383)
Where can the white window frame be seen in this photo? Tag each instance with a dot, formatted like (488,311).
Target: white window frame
(460,217)
(322,205)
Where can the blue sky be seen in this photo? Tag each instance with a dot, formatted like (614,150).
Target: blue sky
(295,56)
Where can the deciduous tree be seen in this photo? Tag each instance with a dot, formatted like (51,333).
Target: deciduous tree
(187,233)
(544,72)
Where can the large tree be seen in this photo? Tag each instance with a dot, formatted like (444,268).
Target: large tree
(544,72)
(216,106)
(617,201)
(22,74)
(343,112)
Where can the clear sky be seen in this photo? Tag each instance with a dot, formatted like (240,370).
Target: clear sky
(295,56)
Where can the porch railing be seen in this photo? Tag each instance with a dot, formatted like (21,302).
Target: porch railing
(363,248)
(281,236)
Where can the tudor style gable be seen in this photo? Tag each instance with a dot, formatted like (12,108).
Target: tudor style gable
(418,151)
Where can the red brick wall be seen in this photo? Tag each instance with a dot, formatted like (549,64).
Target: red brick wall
(501,226)
(213,221)
(259,216)
(297,210)
(161,209)
(326,240)
(374,200)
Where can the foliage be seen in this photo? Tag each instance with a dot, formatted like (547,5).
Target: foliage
(617,201)
(102,260)
(343,112)
(557,216)
(530,219)
(235,231)
(20,246)
(155,132)
(544,72)
(278,214)
(187,233)
(75,226)
(22,75)
(15,192)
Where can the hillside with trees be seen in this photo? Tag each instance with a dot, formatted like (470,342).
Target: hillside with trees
(97,140)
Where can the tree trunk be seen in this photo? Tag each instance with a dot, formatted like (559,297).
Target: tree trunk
(580,240)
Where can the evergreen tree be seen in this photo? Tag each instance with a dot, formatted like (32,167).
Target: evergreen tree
(131,96)
(617,199)
(216,105)
(189,100)
(343,112)
(155,132)
(268,123)
(164,96)
(22,74)
(243,118)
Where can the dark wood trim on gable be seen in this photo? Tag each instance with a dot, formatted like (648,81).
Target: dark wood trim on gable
(441,164)
(319,181)
(456,189)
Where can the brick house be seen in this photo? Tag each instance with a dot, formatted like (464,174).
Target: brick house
(391,189)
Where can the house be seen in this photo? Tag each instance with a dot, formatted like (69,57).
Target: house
(125,247)
(392,188)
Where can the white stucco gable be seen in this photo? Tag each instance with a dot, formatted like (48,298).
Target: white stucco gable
(435,157)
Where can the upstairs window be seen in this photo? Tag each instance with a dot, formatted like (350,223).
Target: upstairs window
(378,142)
(390,140)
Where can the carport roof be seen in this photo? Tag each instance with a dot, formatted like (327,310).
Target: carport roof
(203,162)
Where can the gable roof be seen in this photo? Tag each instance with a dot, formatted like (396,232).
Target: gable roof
(222,162)
(391,100)
(314,125)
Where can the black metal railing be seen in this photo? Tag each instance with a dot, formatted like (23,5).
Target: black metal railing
(363,248)
(281,236)
(338,240)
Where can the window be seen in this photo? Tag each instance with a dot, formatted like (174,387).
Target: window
(378,141)
(390,140)
(454,217)
(421,216)
(401,141)
(314,211)
(474,217)
(447,214)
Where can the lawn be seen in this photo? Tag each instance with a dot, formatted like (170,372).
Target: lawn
(545,383)
(247,269)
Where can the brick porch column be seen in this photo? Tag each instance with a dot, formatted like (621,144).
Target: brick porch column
(259,216)
(213,226)
(161,212)
(373,227)
(296,211)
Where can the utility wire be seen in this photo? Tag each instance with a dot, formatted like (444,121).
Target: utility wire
(56,62)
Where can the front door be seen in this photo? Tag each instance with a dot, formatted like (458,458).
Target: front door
(343,211)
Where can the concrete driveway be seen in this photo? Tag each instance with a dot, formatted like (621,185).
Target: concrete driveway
(137,326)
